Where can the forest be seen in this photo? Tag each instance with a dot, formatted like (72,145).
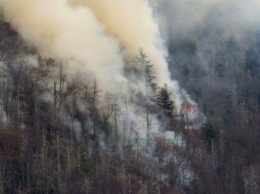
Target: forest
(84,132)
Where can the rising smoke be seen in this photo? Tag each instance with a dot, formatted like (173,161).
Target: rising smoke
(93,36)
(71,35)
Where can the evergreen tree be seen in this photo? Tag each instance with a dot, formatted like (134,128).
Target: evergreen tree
(165,101)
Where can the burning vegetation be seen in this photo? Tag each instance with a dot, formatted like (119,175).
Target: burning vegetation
(88,104)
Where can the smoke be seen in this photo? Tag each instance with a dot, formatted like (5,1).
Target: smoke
(132,22)
(93,36)
(208,41)
(201,33)
(69,34)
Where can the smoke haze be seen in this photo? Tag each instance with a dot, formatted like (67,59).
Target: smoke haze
(182,19)
(198,32)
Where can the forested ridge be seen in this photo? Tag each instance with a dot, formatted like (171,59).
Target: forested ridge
(61,134)
(221,71)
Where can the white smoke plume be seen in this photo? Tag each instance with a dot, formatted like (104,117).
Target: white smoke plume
(132,22)
(92,36)
(69,34)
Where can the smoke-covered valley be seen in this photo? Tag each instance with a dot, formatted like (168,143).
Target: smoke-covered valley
(129,96)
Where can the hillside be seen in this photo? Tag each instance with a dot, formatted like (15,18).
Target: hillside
(131,97)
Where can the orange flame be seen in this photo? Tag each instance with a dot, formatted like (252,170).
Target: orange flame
(190,110)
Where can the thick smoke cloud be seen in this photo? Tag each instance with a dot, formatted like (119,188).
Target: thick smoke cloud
(69,34)
(92,35)
(132,22)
